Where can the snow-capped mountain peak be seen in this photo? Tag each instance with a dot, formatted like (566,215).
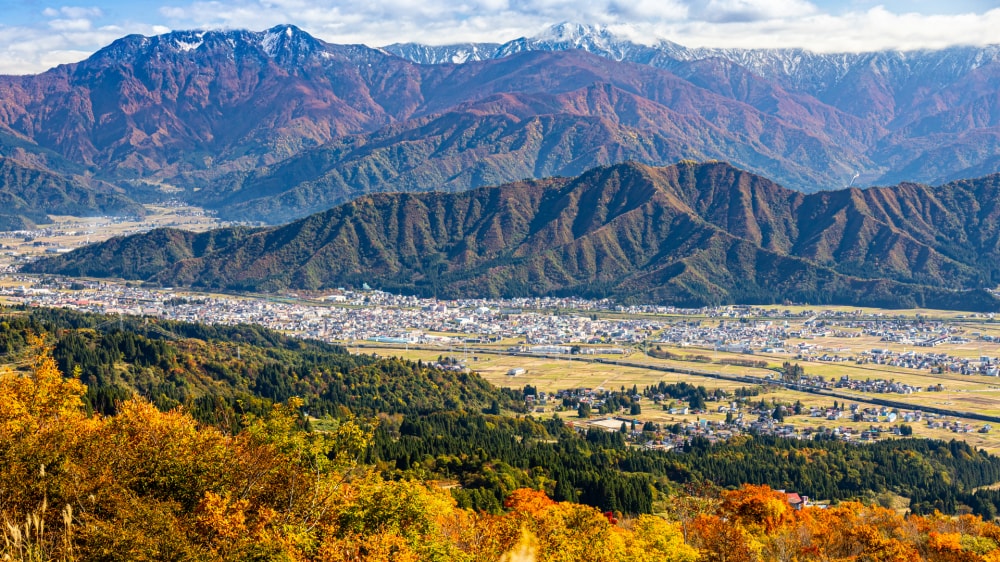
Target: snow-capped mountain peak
(288,39)
(571,33)
(597,39)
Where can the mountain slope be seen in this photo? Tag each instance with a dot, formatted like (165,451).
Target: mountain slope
(921,104)
(511,136)
(188,106)
(687,234)
(29,194)
(276,124)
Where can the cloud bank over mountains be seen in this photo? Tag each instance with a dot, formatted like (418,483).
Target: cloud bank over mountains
(38,37)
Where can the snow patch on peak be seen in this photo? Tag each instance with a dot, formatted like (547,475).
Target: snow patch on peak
(285,38)
(442,54)
(271,42)
(188,45)
(187,40)
(597,39)
(571,32)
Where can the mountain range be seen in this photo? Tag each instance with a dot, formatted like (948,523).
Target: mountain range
(275,125)
(689,234)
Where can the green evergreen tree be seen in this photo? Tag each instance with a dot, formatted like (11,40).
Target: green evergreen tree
(697,402)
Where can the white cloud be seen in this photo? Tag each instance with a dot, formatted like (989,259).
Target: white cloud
(874,29)
(725,11)
(78,12)
(66,34)
(743,23)
(646,10)
(78,24)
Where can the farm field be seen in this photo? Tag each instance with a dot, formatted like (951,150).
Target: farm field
(976,394)
(554,374)
(962,392)
(68,232)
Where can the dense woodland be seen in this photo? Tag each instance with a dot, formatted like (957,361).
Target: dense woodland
(164,438)
(218,373)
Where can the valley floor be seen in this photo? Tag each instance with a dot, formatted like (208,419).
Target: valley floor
(877,361)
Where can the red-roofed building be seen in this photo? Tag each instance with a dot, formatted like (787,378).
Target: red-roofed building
(795,500)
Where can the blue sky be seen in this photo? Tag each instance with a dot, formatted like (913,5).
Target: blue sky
(38,34)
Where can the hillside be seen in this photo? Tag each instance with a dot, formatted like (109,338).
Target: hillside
(895,89)
(28,195)
(627,114)
(276,124)
(197,367)
(689,234)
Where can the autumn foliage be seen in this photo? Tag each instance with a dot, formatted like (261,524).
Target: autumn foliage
(150,485)
(755,523)
(145,484)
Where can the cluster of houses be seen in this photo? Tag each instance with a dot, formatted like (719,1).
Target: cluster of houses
(956,426)
(983,365)
(935,362)
(365,316)
(744,416)
(908,331)
(882,386)
(594,397)
(871,414)
(733,336)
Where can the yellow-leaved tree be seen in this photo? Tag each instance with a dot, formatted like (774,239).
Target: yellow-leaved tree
(31,401)
(151,485)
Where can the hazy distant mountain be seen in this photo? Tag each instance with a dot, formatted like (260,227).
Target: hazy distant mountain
(688,234)
(830,77)
(276,124)
(453,54)
(938,108)
(561,37)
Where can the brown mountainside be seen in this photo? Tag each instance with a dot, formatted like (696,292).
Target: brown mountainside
(687,234)
(274,125)
(519,135)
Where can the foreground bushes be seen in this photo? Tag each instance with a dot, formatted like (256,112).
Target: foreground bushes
(144,484)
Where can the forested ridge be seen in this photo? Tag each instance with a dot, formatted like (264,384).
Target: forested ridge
(219,372)
(295,449)
(688,235)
